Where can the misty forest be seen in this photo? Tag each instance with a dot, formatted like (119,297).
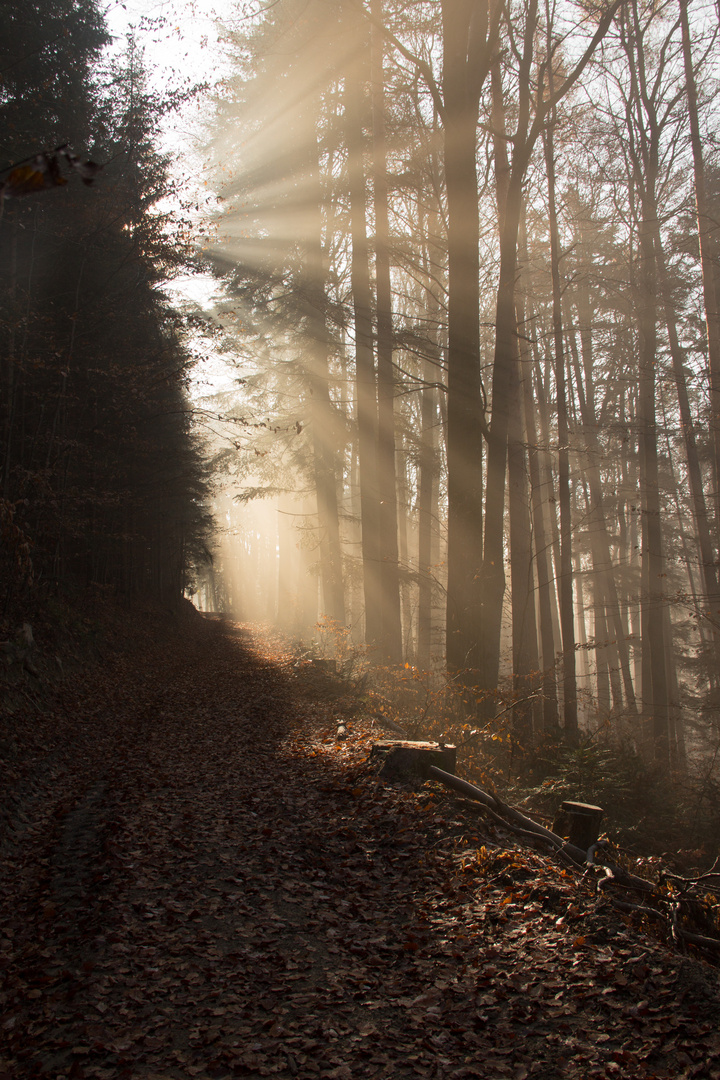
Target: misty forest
(360,539)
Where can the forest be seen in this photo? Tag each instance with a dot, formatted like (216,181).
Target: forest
(103,481)
(469,270)
(360,398)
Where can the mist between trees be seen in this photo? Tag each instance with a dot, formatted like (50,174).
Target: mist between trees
(468,269)
(469,262)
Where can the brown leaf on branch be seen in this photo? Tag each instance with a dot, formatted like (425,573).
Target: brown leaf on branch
(43,172)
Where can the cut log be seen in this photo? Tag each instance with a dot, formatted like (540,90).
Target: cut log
(405,758)
(579,823)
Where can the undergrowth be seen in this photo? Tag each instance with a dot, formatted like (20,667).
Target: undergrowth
(648,811)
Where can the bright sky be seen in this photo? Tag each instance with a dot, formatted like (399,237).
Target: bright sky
(179,39)
(179,36)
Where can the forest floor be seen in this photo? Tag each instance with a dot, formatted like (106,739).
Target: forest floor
(199,880)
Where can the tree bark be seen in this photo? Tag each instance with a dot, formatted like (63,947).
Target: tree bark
(570,718)
(644,149)
(653,624)
(525,659)
(461,85)
(702,523)
(322,413)
(526,662)
(427,469)
(365,380)
(389,581)
(707,226)
(551,716)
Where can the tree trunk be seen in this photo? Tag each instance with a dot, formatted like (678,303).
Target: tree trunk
(570,721)
(8,389)
(509,189)
(541,548)
(653,560)
(644,148)
(323,418)
(525,659)
(366,395)
(702,524)
(461,95)
(527,130)
(707,225)
(427,469)
(549,503)
(525,662)
(403,522)
(389,582)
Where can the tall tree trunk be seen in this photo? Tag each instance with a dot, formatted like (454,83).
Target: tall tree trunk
(366,393)
(654,563)
(600,631)
(570,720)
(8,388)
(356,604)
(389,582)
(427,469)
(549,503)
(700,514)
(526,661)
(678,751)
(542,549)
(644,148)
(323,417)
(707,226)
(461,96)
(583,664)
(403,523)
(509,186)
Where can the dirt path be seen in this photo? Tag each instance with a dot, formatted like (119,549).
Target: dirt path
(198,881)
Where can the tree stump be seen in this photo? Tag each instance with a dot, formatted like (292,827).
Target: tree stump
(413,759)
(579,823)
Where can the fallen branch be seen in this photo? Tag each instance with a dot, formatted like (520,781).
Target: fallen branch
(678,932)
(638,909)
(469,790)
(699,939)
(509,814)
(702,879)
(520,822)
(615,875)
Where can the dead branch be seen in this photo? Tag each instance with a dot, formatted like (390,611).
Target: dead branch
(509,815)
(615,875)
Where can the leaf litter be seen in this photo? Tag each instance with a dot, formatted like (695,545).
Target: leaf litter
(200,880)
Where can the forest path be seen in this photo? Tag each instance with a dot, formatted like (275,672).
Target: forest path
(199,881)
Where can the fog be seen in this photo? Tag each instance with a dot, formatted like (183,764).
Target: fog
(465,364)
